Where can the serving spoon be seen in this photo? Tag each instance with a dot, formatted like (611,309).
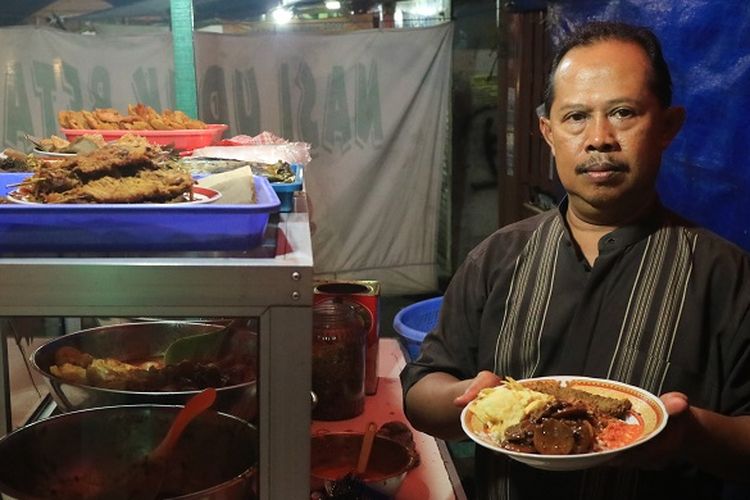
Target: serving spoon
(144,478)
(352,484)
(194,407)
(366,449)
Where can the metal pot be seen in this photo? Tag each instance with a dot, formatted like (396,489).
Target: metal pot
(83,454)
(140,341)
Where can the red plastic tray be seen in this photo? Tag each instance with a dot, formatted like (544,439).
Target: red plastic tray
(179,138)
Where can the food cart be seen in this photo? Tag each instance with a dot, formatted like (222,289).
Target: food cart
(275,287)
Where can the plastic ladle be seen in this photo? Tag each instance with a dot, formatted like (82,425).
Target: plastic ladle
(194,407)
(366,449)
(352,484)
(146,476)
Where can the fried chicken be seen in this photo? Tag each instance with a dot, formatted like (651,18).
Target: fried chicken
(145,187)
(139,117)
(129,171)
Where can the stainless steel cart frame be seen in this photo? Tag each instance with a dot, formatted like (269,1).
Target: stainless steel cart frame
(277,290)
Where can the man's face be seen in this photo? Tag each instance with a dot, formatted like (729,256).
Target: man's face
(607,130)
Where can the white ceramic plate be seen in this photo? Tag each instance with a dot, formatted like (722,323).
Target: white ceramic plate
(646,407)
(200,195)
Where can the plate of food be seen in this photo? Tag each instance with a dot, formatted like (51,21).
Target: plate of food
(198,196)
(563,422)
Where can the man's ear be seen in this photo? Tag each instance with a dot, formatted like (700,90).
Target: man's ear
(674,117)
(546,130)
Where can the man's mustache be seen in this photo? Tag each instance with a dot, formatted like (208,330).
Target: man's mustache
(601,163)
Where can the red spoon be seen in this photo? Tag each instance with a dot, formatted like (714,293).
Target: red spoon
(145,477)
(194,407)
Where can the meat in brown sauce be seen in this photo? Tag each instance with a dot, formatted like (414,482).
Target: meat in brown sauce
(560,428)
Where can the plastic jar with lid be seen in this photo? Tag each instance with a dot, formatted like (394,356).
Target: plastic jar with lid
(338,365)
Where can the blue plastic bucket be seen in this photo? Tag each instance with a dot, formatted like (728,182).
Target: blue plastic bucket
(415,321)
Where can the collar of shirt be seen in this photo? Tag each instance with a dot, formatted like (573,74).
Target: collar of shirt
(624,236)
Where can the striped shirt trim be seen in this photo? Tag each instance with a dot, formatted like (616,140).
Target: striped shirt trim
(653,313)
(527,302)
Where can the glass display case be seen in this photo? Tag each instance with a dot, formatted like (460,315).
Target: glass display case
(270,286)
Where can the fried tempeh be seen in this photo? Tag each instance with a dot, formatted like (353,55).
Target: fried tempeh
(608,406)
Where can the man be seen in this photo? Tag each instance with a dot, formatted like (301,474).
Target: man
(611,285)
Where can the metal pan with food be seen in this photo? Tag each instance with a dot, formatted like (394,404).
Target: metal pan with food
(125,364)
(99,454)
(563,423)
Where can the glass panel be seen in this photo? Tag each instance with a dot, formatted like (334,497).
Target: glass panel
(129,377)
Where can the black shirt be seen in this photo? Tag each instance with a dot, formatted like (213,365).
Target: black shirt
(664,307)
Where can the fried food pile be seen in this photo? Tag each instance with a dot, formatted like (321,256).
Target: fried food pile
(132,170)
(139,117)
(547,418)
(152,375)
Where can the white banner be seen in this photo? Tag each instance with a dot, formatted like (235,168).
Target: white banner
(46,70)
(374,105)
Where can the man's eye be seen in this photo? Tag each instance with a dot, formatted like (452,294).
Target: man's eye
(576,117)
(622,113)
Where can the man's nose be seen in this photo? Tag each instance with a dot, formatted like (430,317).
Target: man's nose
(601,136)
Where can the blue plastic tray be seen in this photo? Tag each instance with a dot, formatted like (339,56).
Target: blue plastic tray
(136,227)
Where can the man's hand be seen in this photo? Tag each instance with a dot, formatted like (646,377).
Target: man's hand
(483,380)
(718,444)
(433,405)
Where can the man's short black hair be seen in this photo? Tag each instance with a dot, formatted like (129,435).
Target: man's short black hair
(597,31)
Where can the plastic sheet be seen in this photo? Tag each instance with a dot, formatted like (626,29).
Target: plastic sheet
(265,147)
(294,152)
(704,175)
